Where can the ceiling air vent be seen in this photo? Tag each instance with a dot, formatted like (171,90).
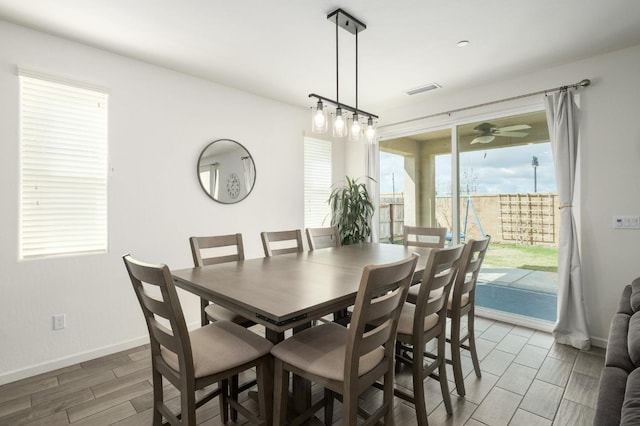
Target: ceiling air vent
(425,88)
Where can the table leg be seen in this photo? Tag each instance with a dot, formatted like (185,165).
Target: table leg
(301,398)
(274,337)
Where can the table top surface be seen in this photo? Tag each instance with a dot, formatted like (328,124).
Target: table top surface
(282,291)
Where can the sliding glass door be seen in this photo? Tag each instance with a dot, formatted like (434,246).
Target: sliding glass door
(479,178)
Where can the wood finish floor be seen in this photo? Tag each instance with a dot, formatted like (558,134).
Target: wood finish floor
(526,380)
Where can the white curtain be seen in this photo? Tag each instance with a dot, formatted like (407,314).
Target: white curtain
(371,163)
(214,180)
(564,122)
(249,173)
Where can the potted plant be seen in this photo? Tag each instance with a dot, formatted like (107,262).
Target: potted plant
(351,211)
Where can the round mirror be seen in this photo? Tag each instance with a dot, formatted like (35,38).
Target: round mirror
(226,171)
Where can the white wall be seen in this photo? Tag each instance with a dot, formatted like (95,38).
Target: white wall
(159,121)
(609,157)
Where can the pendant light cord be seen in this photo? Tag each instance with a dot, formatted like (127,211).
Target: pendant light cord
(356,70)
(337,67)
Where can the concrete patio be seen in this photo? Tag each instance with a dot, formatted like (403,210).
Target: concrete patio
(545,282)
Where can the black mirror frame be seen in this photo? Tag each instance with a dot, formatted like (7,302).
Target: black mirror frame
(253,183)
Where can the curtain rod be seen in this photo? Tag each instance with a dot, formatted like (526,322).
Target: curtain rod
(584,83)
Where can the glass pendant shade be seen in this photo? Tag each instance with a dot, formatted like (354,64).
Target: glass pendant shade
(319,121)
(371,131)
(339,125)
(355,128)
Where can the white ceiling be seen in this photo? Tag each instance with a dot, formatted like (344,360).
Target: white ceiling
(285,49)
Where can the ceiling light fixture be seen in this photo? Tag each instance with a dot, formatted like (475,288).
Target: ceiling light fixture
(483,139)
(463,43)
(342,126)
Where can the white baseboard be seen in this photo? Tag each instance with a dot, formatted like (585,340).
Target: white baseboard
(529,322)
(515,319)
(598,342)
(66,361)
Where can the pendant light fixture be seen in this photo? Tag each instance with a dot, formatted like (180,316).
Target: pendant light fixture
(343,125)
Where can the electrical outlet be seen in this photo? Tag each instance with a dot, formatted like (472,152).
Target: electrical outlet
(59,321)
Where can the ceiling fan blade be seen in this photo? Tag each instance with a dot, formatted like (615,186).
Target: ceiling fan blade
(513,128)
(483,139)
(512,134)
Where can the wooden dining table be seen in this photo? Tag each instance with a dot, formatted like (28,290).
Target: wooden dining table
(289,291)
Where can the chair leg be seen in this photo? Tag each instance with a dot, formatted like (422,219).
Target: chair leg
(388,397)
(417,367)
(203,317)
(188,406)
(472,342)
(233,392)
(280,394)
(455,354)
(397,357)
(264,377)
(442,371)
(350,407)
(328,407)
(158,398)
(224,404)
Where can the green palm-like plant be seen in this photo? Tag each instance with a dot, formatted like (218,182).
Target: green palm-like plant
(351,211)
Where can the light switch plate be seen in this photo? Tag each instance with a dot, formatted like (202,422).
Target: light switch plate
(626,222)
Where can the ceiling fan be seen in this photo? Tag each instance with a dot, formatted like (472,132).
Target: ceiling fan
(488,132)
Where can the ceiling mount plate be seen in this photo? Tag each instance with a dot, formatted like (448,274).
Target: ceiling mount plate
(346,21)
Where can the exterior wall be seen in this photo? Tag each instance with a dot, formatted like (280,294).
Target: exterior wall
(492,217)
(494,221)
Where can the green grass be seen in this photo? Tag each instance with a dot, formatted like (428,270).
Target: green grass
(523,257)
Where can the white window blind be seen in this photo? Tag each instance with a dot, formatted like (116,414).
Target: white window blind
(63,168)
(317,182)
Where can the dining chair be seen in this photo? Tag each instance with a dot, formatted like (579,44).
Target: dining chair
(194,360)
(319,238)
(282,242)
(419,236)
(462,302)
(424,237)
(347,361)
(424,322)
(229,248)
(213,250)
(323,237)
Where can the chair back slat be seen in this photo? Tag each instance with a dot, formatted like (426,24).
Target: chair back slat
(381,295)
(323,237)
(164,336)
(424,237)
(376,337)
(217,243)
(293,238)
(157,307)
(381,306)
